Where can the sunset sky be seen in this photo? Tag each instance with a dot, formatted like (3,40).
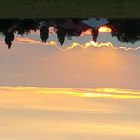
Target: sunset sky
(81,90)
(34,113)
(33,63)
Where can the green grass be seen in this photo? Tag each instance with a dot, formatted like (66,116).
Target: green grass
(69,8)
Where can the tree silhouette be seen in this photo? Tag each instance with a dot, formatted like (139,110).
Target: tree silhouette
(44,33)
(126,30)
(9,37)
(26,25)
(95,33)
(61,34)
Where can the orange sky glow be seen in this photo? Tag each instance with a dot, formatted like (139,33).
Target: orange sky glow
(102,29)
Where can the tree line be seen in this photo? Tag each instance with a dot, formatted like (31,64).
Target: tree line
(126,30)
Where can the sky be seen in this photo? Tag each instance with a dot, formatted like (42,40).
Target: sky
(35,113)
(32,63)
(81,90)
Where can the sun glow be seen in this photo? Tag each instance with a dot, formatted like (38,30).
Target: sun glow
(87,32)
(104,29)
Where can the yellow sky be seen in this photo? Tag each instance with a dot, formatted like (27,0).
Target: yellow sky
(34,113)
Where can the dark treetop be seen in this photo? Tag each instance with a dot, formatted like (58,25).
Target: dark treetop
(126,30)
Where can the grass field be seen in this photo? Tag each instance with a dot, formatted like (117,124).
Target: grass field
(71,8)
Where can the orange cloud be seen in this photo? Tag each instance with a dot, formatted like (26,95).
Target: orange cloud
(27,40)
